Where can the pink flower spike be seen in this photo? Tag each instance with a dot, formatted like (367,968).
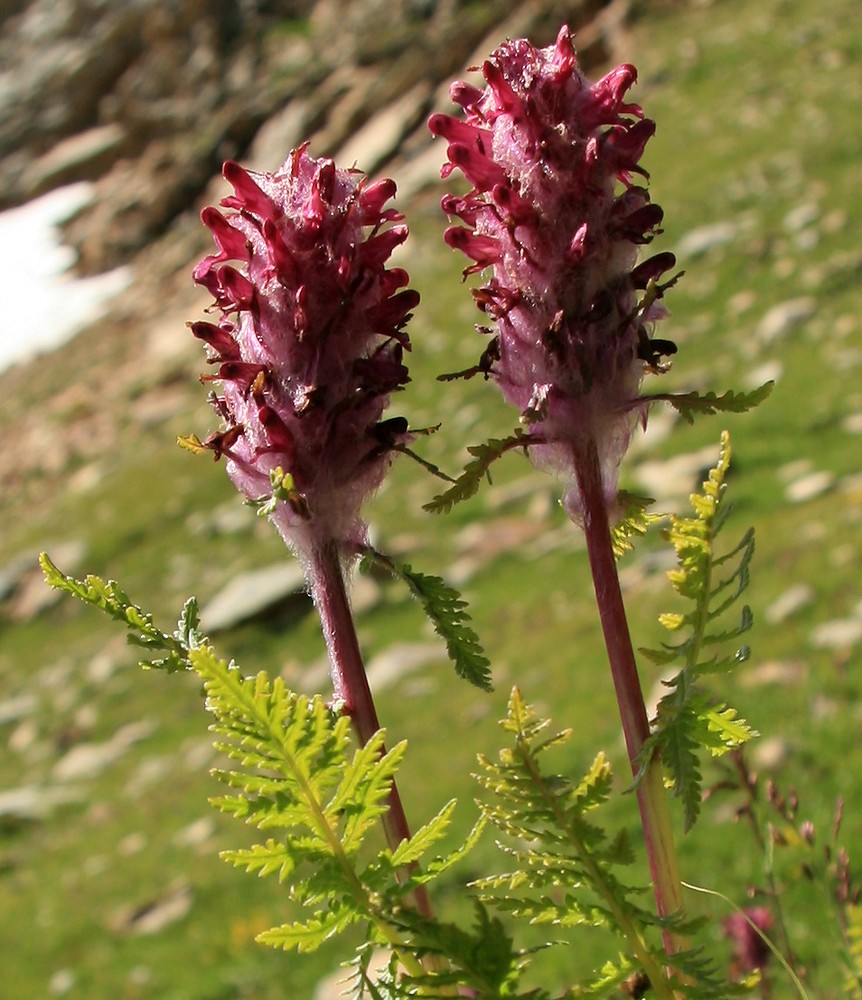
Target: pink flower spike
(554,217)
(309,346)
(744,928)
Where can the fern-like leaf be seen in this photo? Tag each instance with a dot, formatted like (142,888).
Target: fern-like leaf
(110,598)
(308,935)
(296,773)
(447,612)
(482,958)
(687,721)
(692,404)
(483,457)
(263,859)
(609,980)
(634,522)
(853,984)
(566,872)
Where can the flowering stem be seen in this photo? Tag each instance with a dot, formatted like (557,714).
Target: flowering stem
(350,682)
(652,799)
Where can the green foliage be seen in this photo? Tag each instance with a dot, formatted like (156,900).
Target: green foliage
(687,719)
(296,772)
(566,866)
(565,872)
(692,404)
(634,523)
(447,612)
(467,484)
(854,948)
(113,600)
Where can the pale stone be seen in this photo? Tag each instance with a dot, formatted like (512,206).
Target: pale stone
(840,634)
(801,217)
(155,914)
(249,594)
(782,672)
(677,477)
(87,760)
(783,318)
(698,242)
(809,487)
(395,663)
(769,754)
(790,601)
(13,709)
(31,802)
(196,833)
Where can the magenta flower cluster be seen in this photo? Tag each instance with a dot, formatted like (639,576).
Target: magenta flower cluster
(555,214)
(309,344)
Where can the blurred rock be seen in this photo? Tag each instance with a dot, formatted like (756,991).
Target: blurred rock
(248,595)
(87,760)
(801,217)
(13,709)
(769,754)
(840,634)
(23,591)
(799,596)
(85,156)
(155,914)
(698,242)
(810,486)
(783,318)
(782,672)
(32,802)
(196,833)
(674,479)
(397,662)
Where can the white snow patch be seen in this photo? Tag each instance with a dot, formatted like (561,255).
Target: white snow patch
(44,305)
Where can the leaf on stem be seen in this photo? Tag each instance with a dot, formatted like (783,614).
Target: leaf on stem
(483,455)
(687,720)
(113,600)
(447,612)
(635,521)
(566,865)
(692,404)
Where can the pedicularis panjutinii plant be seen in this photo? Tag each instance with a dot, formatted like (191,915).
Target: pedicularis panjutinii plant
(307,350)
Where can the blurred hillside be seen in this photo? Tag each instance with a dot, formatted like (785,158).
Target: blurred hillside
(145,100)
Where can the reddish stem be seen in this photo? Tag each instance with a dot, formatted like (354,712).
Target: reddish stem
(651,795)
(349,680)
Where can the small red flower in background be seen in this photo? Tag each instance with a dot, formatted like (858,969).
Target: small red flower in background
(310,341)
(750,951)
(555,213)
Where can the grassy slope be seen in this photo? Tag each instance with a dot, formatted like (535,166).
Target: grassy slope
(757,107)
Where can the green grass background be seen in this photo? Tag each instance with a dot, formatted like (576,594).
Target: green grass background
(757,104)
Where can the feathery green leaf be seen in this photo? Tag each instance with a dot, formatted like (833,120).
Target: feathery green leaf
(634,523)
(566,872)
(447,612)
(113,600)
(691,404)
(484,456)
(687,721)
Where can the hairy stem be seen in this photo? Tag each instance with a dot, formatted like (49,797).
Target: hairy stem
(651,795)
(350,683)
